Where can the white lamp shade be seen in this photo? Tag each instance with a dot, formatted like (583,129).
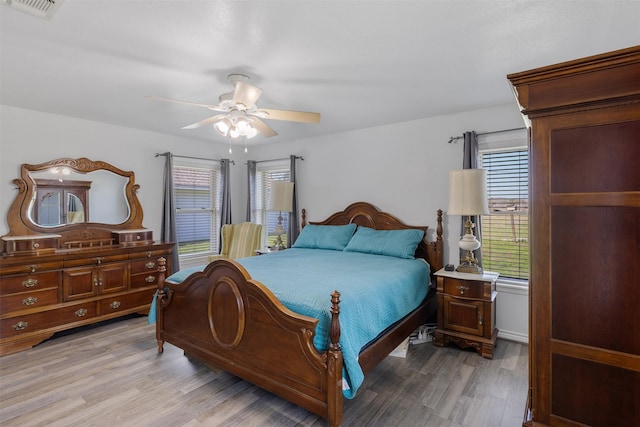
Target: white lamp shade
(281,198)
(468,192)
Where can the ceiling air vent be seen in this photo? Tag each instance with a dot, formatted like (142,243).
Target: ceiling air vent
(40,8)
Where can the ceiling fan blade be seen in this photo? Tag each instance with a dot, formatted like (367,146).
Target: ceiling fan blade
(246,94)
(290,116)
(209,106)
(262,127)
(204,122)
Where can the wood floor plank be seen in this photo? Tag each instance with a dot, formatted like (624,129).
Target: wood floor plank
(111,374)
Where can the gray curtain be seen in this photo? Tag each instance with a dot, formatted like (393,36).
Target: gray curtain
(470,161)
(169,231)
(251,189)
(294,223)
(225,208)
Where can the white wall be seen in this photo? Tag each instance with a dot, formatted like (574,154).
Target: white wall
(401,168)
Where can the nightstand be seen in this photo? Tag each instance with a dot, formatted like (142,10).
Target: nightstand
(467,310)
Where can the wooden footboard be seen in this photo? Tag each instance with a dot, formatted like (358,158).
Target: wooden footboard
(231,322)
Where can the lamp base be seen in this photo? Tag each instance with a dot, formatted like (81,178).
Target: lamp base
(279,246)
(469,264)
(469,268)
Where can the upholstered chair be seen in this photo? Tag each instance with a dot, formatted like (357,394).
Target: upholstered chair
(240,240)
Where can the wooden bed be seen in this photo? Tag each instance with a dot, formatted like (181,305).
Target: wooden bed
(229,321)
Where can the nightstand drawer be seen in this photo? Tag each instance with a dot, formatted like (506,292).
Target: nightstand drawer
(468,288)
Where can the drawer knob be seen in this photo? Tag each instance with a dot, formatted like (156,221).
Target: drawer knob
(36,245)
(81,312)
(29,283)
(30,300)
(32,268)
(462,289)
(150,279)
(20,326)
(150,264)
(115,304)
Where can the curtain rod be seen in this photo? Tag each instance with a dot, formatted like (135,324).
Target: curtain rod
(275,160)
(194,158)
(454,138)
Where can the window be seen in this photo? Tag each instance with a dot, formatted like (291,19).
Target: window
(259,214)
(505,232)
(198,196)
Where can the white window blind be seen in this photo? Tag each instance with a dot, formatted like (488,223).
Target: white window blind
(505,232)
(198,196)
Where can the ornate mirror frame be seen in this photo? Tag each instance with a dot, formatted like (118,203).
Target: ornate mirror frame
(20,221)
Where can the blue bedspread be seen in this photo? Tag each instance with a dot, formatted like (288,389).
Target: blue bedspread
(376,291)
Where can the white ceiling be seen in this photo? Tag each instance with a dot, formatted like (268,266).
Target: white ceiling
(359,63)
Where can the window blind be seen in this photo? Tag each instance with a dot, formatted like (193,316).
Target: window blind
(505,232)
(197,196)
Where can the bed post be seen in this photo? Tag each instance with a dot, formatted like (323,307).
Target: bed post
(438,261)
(334,365)
(304,218)
(439,244)
(162,269)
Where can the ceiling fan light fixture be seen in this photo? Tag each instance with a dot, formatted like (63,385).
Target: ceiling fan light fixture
(223,126)
(242,124)
(234,133)
(251,132)
(235,126)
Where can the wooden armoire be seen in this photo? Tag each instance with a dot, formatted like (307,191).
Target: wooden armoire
(584,333)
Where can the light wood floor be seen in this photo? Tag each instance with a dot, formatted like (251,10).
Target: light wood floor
(111,375)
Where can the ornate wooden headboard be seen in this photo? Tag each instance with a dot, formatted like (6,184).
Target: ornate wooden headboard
(367,215)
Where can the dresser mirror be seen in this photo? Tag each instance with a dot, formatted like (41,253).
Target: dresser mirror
(72,197)
(75,198)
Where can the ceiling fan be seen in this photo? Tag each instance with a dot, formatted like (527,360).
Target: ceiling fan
(240,117)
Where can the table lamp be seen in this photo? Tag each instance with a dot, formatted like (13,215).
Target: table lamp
(281,200)
(468,197)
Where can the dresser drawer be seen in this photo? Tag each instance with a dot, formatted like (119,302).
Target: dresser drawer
(95,261)
(34,299)
(29,282)
(47,319)
(31,244)
(126,302)
(124,237)
(35,267)
(467,288)
(144,265)
(139,255)
(144,280)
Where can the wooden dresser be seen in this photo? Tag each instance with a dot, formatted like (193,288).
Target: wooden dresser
(70,273)
(44,294)
(585,239)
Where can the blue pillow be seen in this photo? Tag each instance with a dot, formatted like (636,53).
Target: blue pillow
(397,243)
(333,237)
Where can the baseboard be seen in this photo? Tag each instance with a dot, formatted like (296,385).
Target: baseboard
(513,336)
